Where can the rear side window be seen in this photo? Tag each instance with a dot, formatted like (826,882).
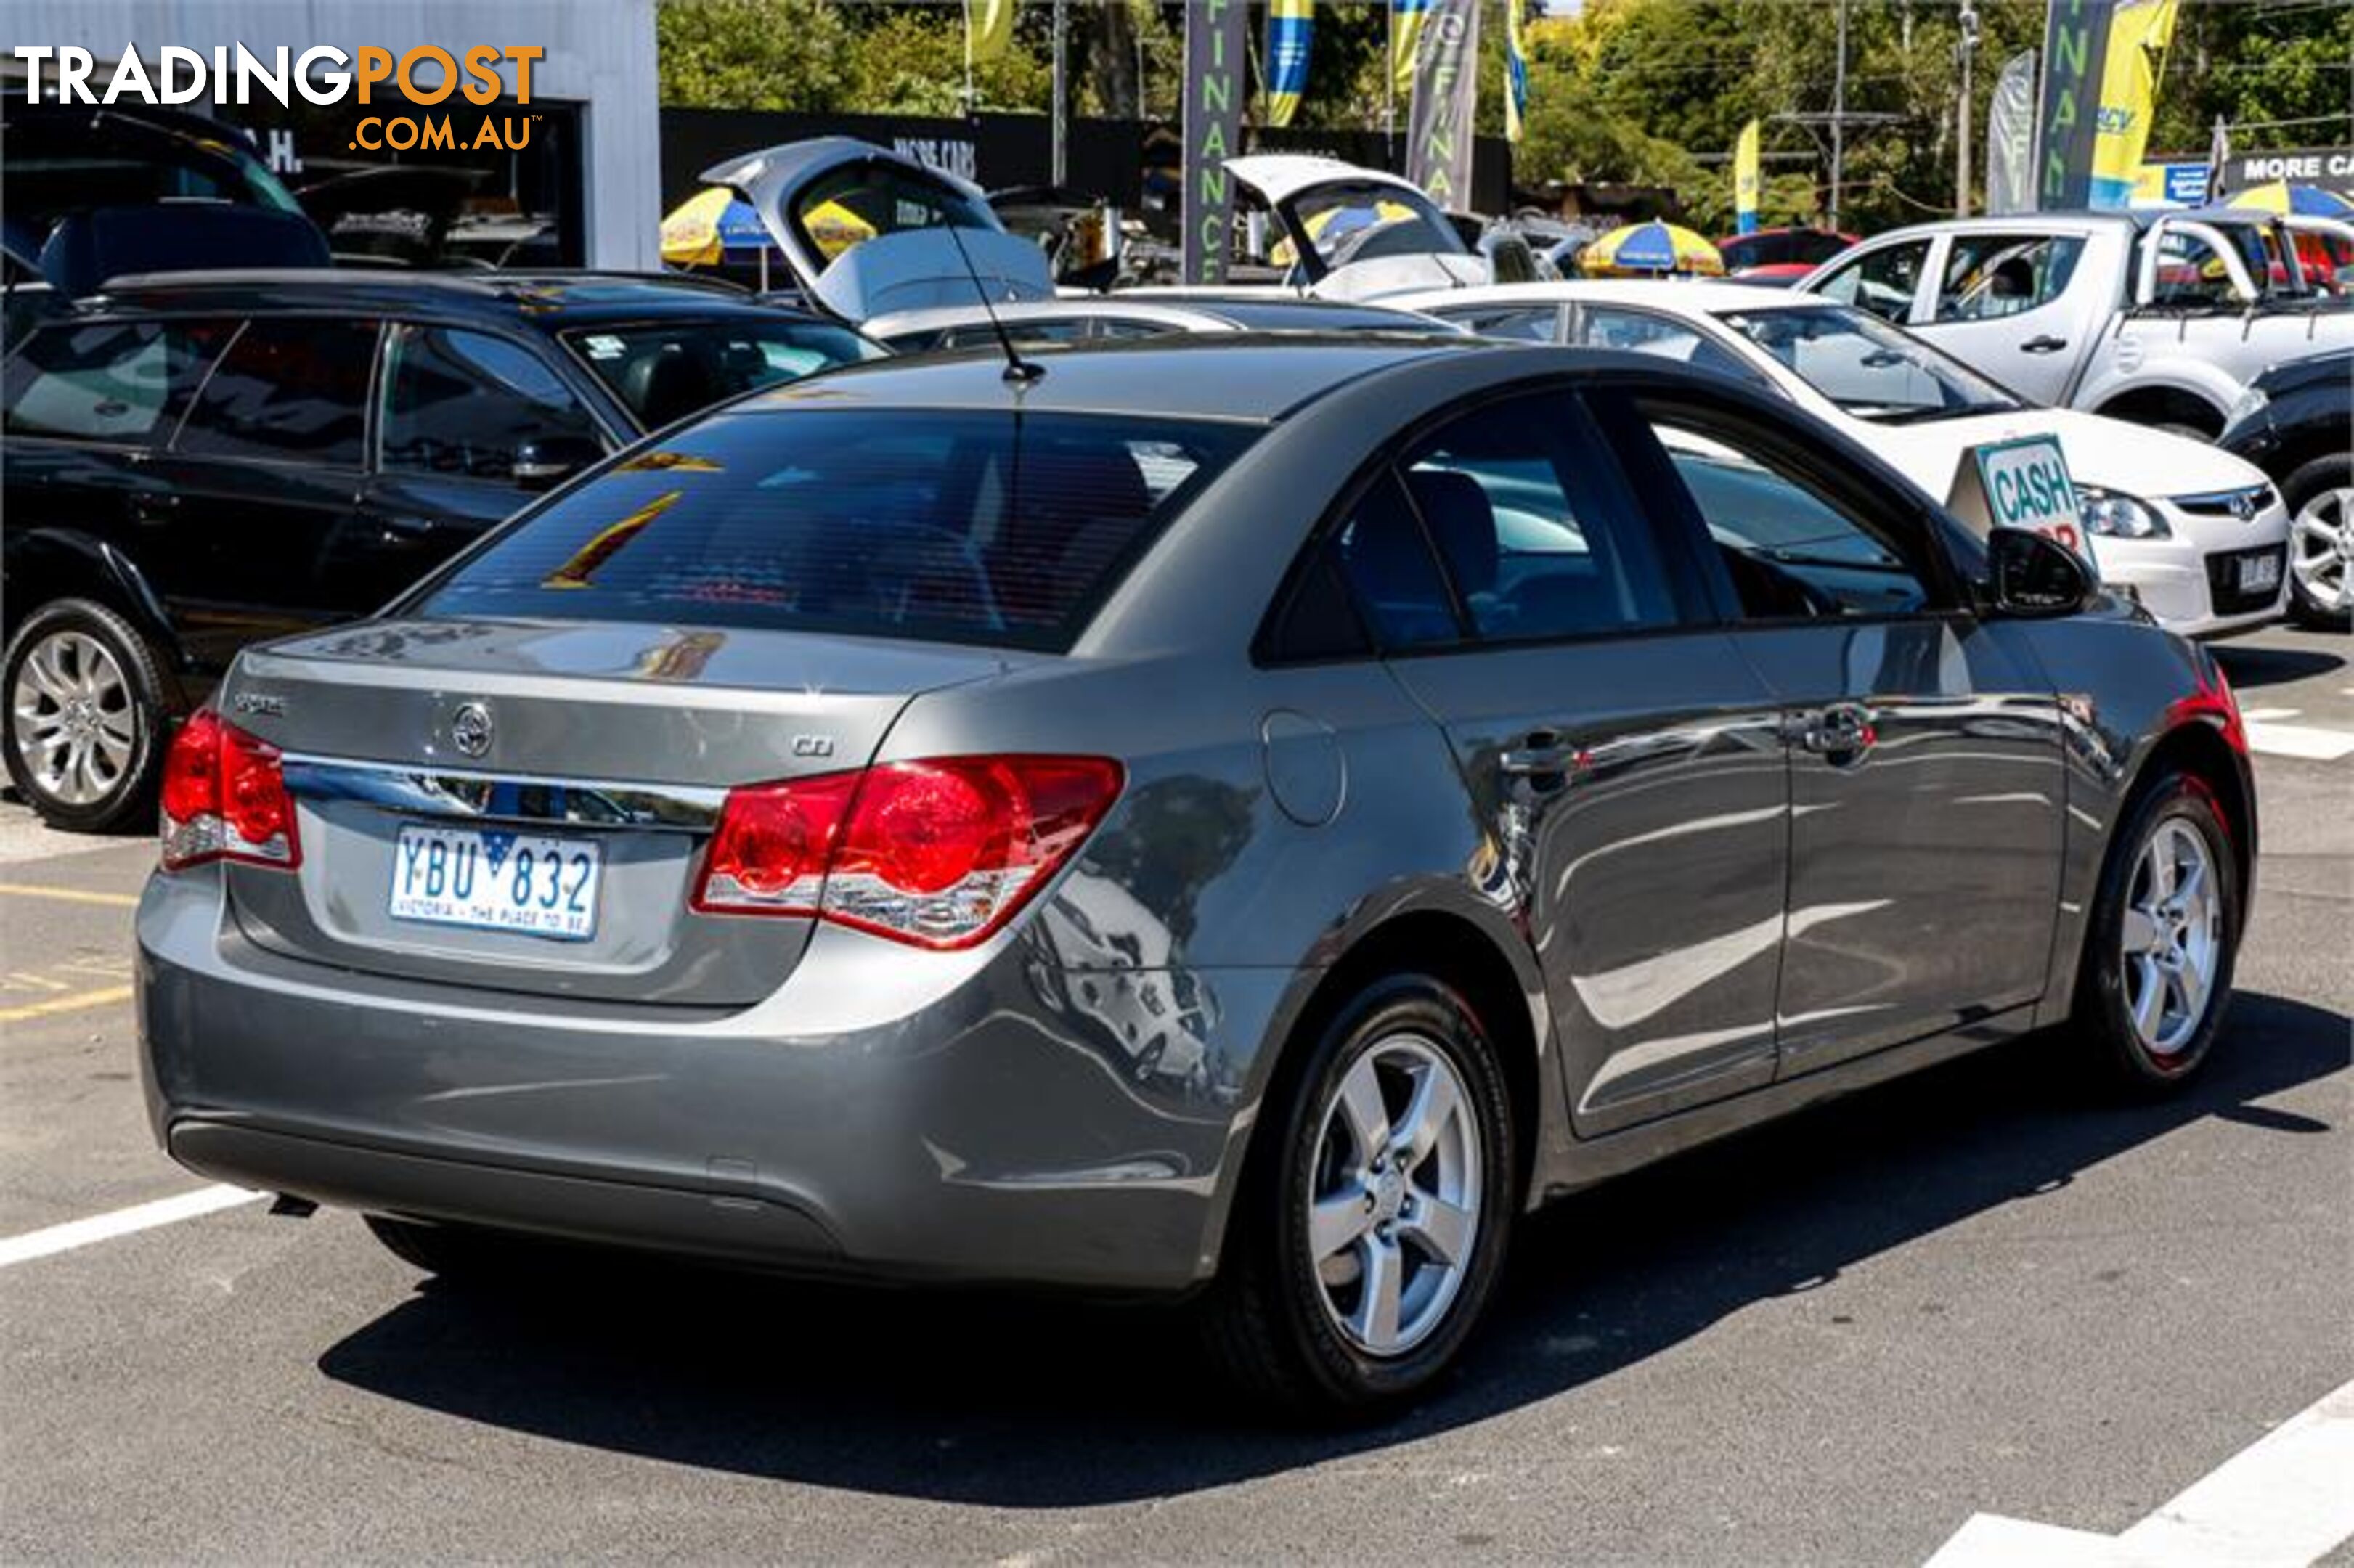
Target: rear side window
(460,403)
(666,370)
(920,524)
(118,382)
(290,390)
(1640,331)
(1522,323)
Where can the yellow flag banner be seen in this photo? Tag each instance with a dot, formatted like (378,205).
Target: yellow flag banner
(1744,180)
(988,27)
(2139,32)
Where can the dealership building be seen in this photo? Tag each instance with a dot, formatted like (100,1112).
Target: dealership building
(583,189)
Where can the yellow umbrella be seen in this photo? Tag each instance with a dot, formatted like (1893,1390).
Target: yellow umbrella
(1345,218)
(1645,249)
(835,229)
(2308,201)
(690,235)
(702,230)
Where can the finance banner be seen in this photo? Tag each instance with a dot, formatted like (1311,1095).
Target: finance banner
(1445,99)
(1216,47)
(2075,46)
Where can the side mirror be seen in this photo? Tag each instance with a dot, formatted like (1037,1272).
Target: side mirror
(2031,575)
(541,461)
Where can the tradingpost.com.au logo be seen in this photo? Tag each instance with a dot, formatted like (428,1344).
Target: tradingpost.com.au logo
(322,75)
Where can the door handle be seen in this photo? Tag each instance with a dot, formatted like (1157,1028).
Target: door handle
(1841,733)
(2046,343)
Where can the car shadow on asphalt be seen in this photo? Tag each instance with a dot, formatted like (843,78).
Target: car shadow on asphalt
(1015,1402)
(2251,667)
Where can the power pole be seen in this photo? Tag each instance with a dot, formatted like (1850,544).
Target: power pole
(1838,118)
(1968,46)
(1059,161)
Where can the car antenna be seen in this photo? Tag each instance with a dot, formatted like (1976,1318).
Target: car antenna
(1021,372)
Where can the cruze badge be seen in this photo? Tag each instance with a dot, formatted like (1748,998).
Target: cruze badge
(469,729)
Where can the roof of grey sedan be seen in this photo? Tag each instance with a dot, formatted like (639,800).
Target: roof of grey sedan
(1240,375)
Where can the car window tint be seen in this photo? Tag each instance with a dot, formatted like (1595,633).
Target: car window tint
(1122,328)
(944,525)
(1882,281)
(1537,548)
(2192,273)
(668,369)
(1385,557)
(1523,324)
(1640,331)
(121,382)
(461,403)
(293,390)
(1318,619)
(1993,275)
(1793,552)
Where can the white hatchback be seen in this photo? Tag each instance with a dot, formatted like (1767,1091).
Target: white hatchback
(2199,535)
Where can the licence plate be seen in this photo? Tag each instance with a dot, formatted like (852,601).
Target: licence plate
(2259,573)
(497,880)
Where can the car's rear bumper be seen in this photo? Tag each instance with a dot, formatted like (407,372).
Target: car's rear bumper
(1003,1132)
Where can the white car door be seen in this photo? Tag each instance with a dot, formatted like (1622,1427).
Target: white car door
(1996,302)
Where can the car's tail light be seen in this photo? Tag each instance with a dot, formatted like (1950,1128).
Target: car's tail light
(939,853)
(225,799)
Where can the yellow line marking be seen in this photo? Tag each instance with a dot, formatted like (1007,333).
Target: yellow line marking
(68,894)
(74,1003)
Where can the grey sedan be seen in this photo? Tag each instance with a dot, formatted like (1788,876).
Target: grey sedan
(1218,817)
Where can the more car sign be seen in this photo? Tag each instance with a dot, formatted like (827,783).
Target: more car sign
(2017,484)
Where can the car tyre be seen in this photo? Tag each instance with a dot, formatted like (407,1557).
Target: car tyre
(83,741)
(2320,499)
(2156,978)
(1351,1329)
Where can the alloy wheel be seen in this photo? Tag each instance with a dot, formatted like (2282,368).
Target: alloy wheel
(2172,938)
(2321,547)
(1394,1210)
(72,718)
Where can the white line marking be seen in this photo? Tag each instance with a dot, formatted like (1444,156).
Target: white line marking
(2299,740)
(2284,1500)
(2261,714)
(122,1221)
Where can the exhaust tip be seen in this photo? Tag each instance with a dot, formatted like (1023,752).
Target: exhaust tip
(286,1206)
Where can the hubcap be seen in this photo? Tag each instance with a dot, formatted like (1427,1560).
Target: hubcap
(71,713)
(2172,939)
(2321,547)
(1394,1208)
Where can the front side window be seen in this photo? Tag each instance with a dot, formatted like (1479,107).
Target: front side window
(1989,276)
(666,370)
(949,527)
(1794,551)
(460,404)
(1883,281)
(289,391)
(1535,543)
(1662,338)
(1871,369)
(122,383)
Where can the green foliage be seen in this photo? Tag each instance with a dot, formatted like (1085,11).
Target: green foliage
(1642,92)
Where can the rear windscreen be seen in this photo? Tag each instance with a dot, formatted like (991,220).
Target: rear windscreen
(942,526)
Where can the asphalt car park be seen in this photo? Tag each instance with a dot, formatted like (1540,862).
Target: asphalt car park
(1978,1292)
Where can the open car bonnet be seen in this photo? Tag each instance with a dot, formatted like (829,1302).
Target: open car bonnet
(1356,233)
(865,230)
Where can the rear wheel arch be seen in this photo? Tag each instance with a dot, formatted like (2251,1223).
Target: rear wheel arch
(1451,949)
(44,566)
